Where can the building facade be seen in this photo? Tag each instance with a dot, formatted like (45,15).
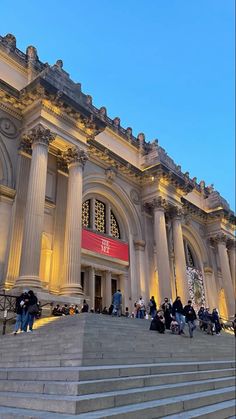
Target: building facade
(87,208)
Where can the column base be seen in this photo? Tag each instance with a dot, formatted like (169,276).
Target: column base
(28,281)
(71,289)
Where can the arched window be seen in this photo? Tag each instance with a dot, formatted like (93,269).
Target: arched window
(114,226)
(100,217)
(189,255)
(86,214)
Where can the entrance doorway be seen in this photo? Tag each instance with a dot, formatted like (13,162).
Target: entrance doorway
(98,293)
(113,286)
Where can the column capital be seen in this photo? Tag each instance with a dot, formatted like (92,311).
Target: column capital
(39,135)
(159,203)
(75,155)
(176,213)
(61,163)
(25,145)
(231,244)
(219,238)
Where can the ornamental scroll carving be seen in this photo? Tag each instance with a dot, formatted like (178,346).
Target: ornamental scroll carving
(8,128)
(75,155)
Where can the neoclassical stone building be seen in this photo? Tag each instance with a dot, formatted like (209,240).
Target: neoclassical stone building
(86,207)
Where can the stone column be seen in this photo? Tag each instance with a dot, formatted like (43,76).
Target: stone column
(124,287)
(40,138)
(71,285)
(211,289)
(231,253)
(17,221)
(91,275)
(108,296)
(59,226)
(221,240)
(180,262)
(162,256)
(139,246)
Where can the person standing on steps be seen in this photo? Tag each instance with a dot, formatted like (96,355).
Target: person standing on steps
(166,307)
(21,311)
(117,302)
(32,311)
(178,313)
(190,317)
(152,307)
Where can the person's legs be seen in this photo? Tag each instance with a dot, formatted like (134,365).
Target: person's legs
(180,320)
(25,320)
(18,323)
(191,327)
(31,321)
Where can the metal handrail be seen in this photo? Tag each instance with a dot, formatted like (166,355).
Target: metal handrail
(7,304)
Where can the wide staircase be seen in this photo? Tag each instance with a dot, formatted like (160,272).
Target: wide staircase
(96,366)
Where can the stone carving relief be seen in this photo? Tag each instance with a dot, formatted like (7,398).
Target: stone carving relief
(134,195)
(8,128)
(110,174)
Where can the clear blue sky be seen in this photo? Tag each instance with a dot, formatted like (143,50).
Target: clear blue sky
(165,67)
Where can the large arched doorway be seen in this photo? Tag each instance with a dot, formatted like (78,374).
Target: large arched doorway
(194,276)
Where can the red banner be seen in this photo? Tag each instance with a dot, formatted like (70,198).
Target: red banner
(105,246)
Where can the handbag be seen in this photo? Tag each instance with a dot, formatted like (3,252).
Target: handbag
(34,309)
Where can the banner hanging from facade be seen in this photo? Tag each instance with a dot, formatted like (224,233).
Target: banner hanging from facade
(105,246)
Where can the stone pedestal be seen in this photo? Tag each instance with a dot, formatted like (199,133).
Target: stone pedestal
(34,212)
(72,247)
(180,262)
(163,265)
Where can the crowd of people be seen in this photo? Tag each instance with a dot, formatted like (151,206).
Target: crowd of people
(69,310)
(175,316)
(168,316)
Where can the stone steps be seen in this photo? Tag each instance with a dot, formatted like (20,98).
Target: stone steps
(110,384)
(90,366)
(221,405)
(93,402)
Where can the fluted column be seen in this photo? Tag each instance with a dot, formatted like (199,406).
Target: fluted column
(40,138)
(17,222)
(231,253)
(108,296)
(72,247)
(139,246)
(221,240)
(162,256)
(211,289)
(124,287)
(91,274)
(180,262)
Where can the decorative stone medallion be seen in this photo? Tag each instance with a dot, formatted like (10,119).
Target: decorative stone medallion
(8,128)
(134,195)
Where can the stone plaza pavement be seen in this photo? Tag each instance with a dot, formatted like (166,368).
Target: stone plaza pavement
(96,366)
